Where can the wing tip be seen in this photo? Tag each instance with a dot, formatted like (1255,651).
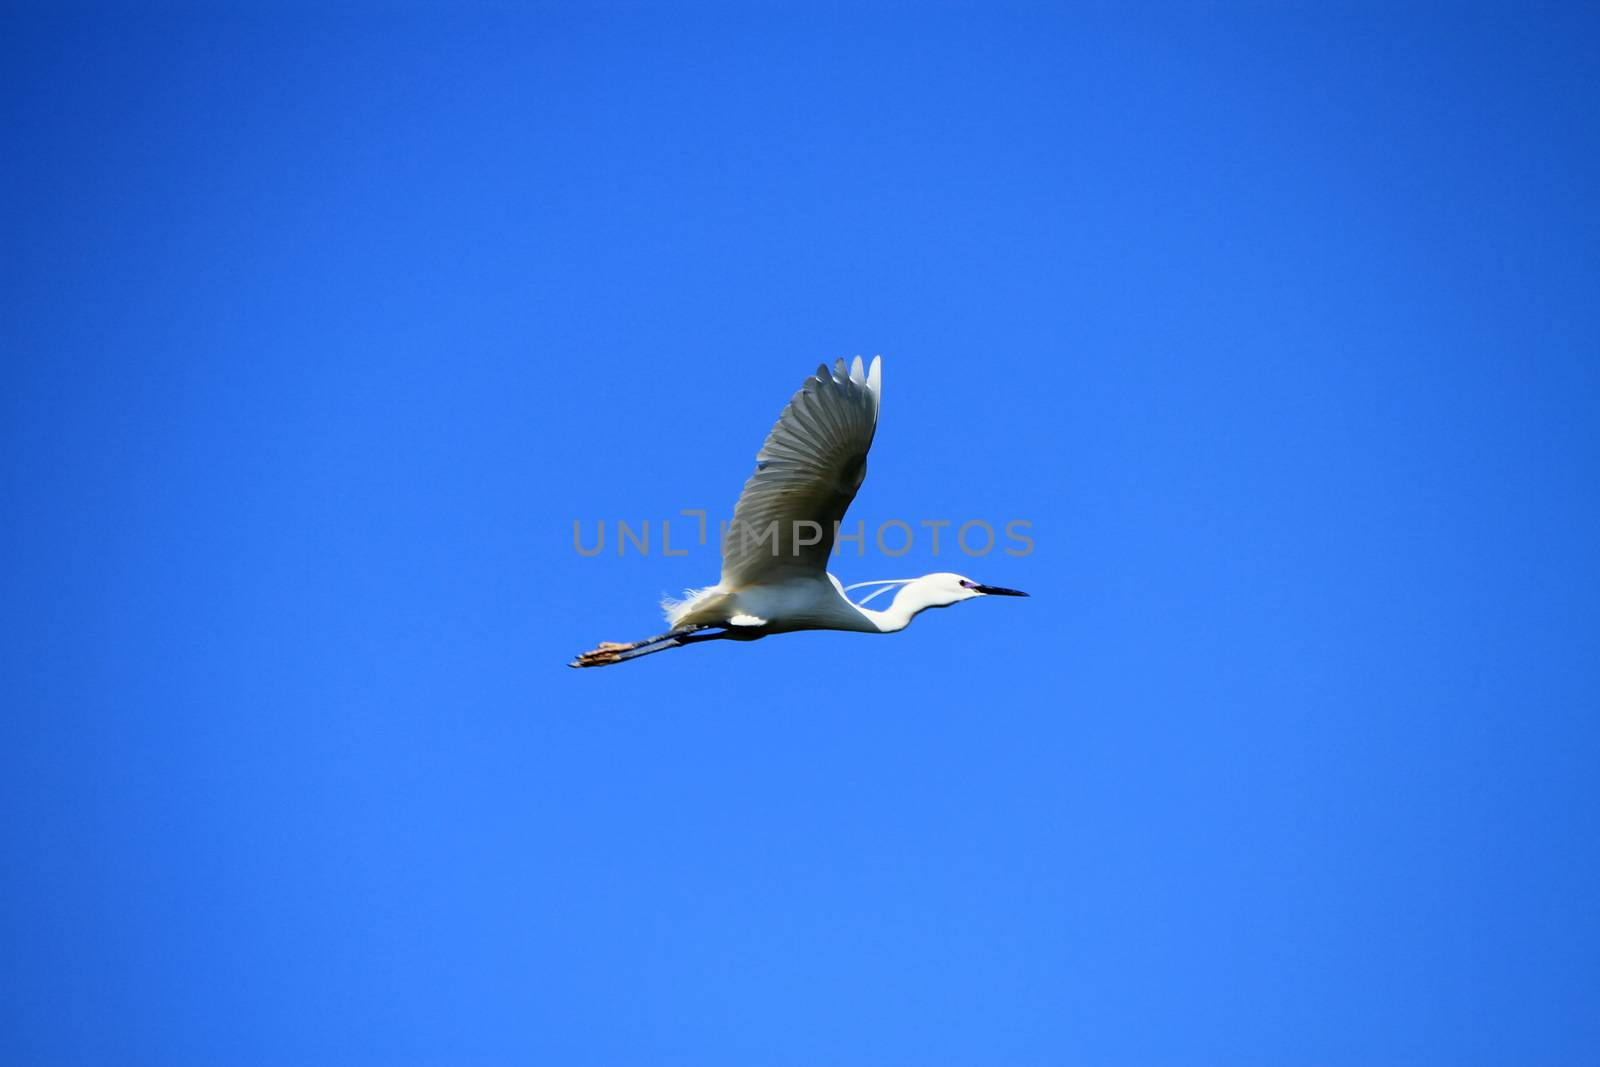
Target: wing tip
(856,372)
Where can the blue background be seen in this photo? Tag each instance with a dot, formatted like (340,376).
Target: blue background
(321,330)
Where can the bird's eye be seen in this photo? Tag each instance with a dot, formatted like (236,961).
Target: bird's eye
(966,584)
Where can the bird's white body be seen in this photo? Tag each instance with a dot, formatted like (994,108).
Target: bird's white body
(815,603)
(786,604)
(774,555)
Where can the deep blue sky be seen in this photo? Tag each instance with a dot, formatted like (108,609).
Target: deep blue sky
(320,331)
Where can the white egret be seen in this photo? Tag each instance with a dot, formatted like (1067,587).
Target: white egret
(775,551)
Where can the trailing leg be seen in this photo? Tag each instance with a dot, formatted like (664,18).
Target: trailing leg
(609,652)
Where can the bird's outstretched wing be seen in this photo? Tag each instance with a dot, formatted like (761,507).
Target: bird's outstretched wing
(807,473)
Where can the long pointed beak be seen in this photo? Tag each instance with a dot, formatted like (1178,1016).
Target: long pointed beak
(995,590)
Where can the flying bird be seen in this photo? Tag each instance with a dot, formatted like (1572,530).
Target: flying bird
(775,552)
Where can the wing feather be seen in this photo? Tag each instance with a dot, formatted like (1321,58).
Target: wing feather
(808,471)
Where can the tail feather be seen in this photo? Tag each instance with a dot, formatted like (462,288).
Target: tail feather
(677,610)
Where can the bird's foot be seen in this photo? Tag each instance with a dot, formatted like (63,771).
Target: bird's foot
(602,654)
(608,652)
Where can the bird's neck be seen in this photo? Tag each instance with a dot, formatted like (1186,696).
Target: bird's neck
(913,597)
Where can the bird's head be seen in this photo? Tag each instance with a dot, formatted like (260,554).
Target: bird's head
(954,588)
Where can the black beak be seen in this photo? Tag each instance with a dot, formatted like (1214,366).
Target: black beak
(995,590)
